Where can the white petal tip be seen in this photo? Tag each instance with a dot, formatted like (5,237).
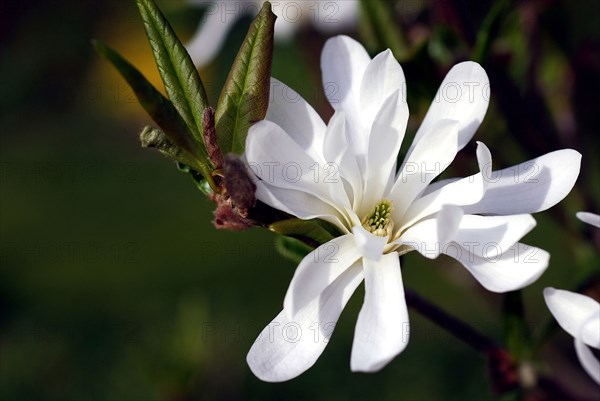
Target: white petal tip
(589,218)
(372,364)
(549,291)
(268,377)
(368,369)
(469,63)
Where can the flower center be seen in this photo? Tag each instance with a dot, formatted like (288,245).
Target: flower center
(379,221)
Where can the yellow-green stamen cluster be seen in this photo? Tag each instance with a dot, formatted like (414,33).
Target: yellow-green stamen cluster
(379,221)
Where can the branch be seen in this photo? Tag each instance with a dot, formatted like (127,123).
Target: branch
(453,325)
(502,367)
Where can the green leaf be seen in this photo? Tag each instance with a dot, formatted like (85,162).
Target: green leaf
(158,107)
(245,97)
(488,31)
(201,183)
(292,249)
(516,333)
(314,231)
(152,137)
(378,25)
(177,71)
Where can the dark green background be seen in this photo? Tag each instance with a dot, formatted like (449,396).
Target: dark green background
(114,285)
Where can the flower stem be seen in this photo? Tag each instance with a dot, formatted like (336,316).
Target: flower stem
(502,368)
(516,333)
(454,326)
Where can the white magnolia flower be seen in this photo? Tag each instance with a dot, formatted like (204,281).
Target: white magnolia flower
(327,16)
(579,316)
(589,218)
(345,173)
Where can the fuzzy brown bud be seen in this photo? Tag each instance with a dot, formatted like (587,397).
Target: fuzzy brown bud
(238,184)
(210,138)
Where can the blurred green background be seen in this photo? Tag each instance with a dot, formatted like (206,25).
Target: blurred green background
(114,285)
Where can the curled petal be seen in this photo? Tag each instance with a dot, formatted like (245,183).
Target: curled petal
(589,362)
(530,187)
(572,311)
(514,269)
(287,348)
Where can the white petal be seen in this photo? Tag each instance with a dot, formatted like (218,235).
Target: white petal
(464,191)
(589,332)
(489,236)
(286,27)
(428,159)
(571,311)
(318,270)
(461,192)
(381,79)
(286,348)
(210,34)
(530,187)
(589,362)
(300,204)
(297,203)
(335,142)
(484,161)
(276,159)
(463,96)
(429,236)
(517,267)
(343,63)
(339,152)
(382,329)
(387,133)
(296,117)
(589,218)
(449,219)
(369,245)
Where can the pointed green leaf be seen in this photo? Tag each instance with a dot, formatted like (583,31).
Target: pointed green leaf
(202,183)
(158,107)
(489,30)
(382,31)
(516,332)
(245,97)
(177,71)
(152,137)
(313,231)
(292,249)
